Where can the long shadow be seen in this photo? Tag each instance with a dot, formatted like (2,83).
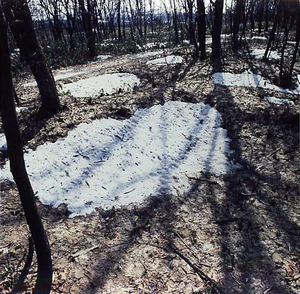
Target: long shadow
(162,205)
(237,204)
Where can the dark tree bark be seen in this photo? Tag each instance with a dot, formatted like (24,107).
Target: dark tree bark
(201,28)
(217,27)
(191,27)
(296,50)
(22,27)
(175,22)
(260,15)
(284,74)
(119,20)
(18,169)
(88,28)
(267,16)
(124,25)
(274,28)
(236,24)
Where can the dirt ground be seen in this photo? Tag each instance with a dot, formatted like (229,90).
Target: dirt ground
(233,234)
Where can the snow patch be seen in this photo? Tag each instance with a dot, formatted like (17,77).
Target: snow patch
(258,38)
(248,79)
(103,57)
(259,54)
(102,85)
(110,163)
(171,59)
(3,145)
(278,101)
(66,70)
(147,54)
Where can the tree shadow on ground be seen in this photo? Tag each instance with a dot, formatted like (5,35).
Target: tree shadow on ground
(247,259)
(236,209)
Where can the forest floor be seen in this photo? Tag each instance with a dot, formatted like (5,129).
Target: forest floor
(240,231)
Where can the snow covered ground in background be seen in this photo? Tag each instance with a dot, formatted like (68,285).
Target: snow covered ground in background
(147,54)
(111,163)
(259,54)
(66,70)
(257,38)
(171,59)
(102,85)
(278,101)
(248,79)
(103,57)
(65,74)
(3,145)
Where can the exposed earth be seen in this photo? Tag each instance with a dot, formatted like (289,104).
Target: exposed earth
(237,233)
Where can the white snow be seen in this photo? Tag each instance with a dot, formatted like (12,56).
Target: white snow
(258,38)
(110,163)
(151,45)
(248,79)
(259,54)
(103,84)
(103,57)
(147,54)
(3,145)
(171,59)
(58,77)
(66,70)
(278,101)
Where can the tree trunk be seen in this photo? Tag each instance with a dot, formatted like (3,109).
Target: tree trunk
(274,28)
(23,30)
(217,27)
(260,15)
(88,28)
(201,28)
(18,169)
(267,16)
(175,23)
(119,20)
(236,24)
(296,50)
(191,27)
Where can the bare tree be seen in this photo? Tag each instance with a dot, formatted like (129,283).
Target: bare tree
(217,27)
(21,24)
(236,23)
(86,13)
(201,28)
(18,168)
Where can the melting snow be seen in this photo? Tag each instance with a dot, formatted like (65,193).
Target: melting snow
(103,84)
(248,79)
(258,38)
(3,145)
(147,54)
(66,70)
(278,101)
(103,57)
(112,163)
(259,54)
(171,59)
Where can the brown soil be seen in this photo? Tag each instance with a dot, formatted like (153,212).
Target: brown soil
(241,231)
